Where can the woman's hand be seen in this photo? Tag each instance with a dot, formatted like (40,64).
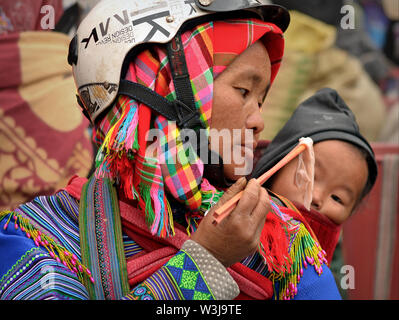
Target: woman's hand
(237,235)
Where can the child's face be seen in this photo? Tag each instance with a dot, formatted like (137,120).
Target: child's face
(340,175)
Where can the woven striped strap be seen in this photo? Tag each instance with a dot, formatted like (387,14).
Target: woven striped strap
(101,240)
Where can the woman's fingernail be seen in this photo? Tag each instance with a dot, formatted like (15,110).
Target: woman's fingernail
(242,180)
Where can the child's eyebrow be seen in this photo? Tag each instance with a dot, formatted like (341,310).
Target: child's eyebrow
(349,190)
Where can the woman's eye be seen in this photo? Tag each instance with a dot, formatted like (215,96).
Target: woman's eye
(336,198)
(244,92)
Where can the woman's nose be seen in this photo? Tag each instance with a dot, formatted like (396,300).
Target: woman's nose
(255,121)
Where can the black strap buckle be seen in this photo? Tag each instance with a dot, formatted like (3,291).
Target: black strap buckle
(186,117)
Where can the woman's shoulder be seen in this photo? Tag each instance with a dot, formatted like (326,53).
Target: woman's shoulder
(55,215)
(48,222)
(34,265)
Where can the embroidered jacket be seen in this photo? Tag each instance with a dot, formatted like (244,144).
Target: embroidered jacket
(40,258)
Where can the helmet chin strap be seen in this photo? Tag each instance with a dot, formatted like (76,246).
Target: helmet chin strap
(184,93)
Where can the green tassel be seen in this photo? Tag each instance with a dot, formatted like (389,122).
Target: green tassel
(136,145)
(146,196)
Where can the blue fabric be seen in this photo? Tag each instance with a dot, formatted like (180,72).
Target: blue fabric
(29,272)
(13,245)
(313,286)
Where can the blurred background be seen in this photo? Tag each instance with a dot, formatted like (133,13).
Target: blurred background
(351,46)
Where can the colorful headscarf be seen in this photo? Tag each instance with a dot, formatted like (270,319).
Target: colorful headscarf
(150,175)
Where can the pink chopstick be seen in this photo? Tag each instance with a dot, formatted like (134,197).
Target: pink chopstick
(225,209)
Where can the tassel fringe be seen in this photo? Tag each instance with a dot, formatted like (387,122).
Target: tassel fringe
(120,145)
(286,247)
(305,251)
(158,213)
(273,245)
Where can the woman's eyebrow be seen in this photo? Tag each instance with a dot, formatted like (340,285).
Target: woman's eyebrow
(256,77)
(251,73)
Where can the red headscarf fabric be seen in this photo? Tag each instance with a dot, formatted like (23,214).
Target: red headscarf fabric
(232,38)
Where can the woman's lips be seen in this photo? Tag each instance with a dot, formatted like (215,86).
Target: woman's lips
(250,145)
(247,151)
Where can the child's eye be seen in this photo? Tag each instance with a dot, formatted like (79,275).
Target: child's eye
(336,198)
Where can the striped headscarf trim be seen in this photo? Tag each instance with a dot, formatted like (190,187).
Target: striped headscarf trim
(151,175)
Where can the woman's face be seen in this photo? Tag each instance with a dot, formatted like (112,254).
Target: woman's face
(236,121)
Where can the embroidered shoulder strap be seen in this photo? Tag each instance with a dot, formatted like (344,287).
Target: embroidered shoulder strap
(281,201)
(295,213)
(101,240)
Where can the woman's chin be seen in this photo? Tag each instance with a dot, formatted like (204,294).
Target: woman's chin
(234,172)
(243,165)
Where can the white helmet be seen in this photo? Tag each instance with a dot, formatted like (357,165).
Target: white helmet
(114,27)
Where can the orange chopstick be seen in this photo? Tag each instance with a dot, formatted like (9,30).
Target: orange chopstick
(225,209)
